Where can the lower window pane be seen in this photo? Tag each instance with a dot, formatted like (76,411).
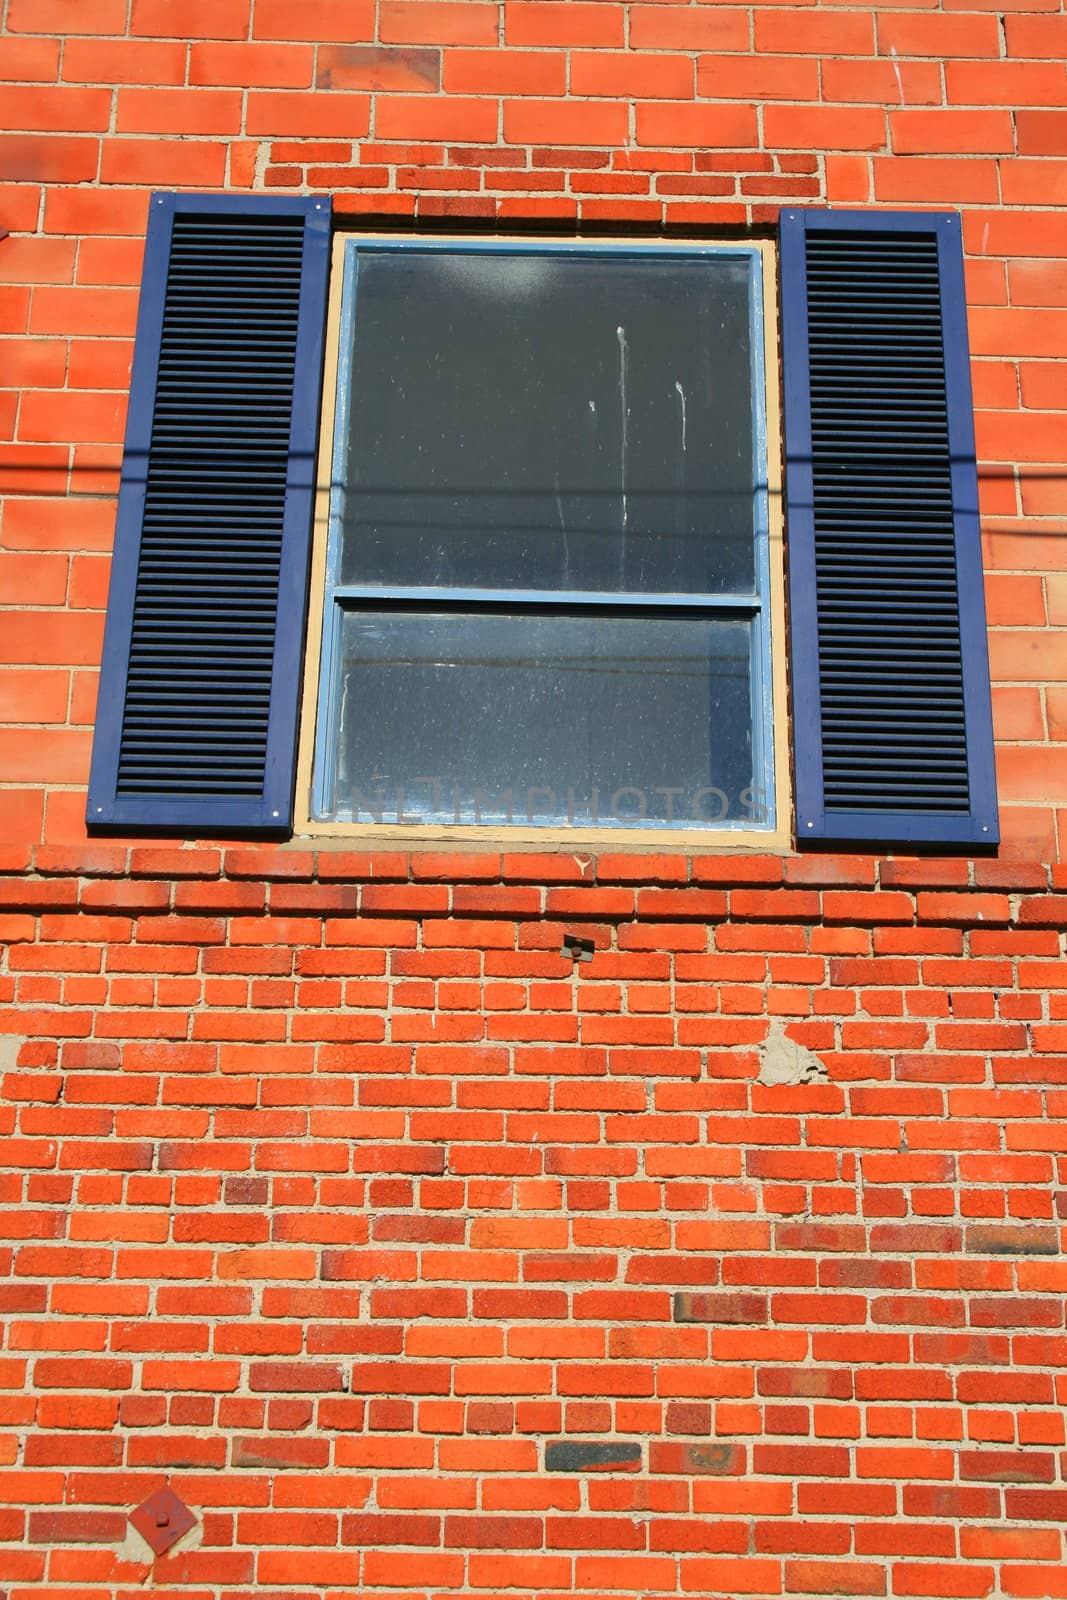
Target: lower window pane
(545,720)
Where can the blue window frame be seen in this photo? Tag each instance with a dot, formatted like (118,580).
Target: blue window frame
(548,571)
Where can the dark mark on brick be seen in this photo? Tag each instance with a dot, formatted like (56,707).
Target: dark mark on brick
(568,1455)
(992,1239)
(743,1307)
(719,1460)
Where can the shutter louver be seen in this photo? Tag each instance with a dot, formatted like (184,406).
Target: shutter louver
(890,683)
(208,598)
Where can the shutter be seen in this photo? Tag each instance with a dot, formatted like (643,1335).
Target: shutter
(200,681)
(890,679)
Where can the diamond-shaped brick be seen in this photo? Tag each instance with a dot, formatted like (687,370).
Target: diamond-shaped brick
(162,1519)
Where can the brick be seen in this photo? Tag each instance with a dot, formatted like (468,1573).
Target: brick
(725,1307)
(824,128)
(244,65)
(1007,1466)
(1040,443)
(294,1378)
(559,122)
(653,77)
(1024,777)
(68,417)
(717,1460)
(76,1527)
(1036,36)
(540,869)
(123,61)
(505,1533)
(952,132)
(998,83)
(756,78)
(451,22)
(941,36)
(1041,133)
(191,19)
(1005,1240)
(997,1543)
(55,755)
(654,28)
(545,23)
(280,1567)
(39,260)
(640,869)
(835,1577)
(288,114)
(178,111)
(47,159)
(963,908)
(141,161)
(1022,187)
(37,363)
(565,1455)
(833,34)
(504,72)
(667,126)
(95,16)
(1035,282)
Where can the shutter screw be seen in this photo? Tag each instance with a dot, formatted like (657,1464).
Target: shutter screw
(275,813)
(811,824)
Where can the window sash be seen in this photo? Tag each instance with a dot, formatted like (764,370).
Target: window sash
(340,597)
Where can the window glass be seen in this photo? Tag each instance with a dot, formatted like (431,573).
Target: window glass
(539,718)
(550,422)
(547,575)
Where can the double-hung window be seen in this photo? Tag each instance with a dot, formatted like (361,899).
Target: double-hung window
(547,598)
(545,586)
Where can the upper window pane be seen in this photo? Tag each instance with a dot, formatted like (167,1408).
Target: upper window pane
(550,420)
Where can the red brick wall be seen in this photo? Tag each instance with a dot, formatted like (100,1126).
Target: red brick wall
(331,1190)
(336,1193)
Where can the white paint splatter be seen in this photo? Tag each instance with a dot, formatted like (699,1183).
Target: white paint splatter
(620,334)
(896,69)
(681,397)
(563,531)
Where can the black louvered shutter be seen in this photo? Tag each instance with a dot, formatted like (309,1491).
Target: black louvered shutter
(200,682)
(890,678)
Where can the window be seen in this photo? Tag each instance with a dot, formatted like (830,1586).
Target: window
(548,584)
(582,540)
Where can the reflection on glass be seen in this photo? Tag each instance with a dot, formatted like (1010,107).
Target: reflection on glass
(537,719)
(550,421)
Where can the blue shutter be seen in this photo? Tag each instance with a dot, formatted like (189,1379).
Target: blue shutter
(200,682)
(890,679)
